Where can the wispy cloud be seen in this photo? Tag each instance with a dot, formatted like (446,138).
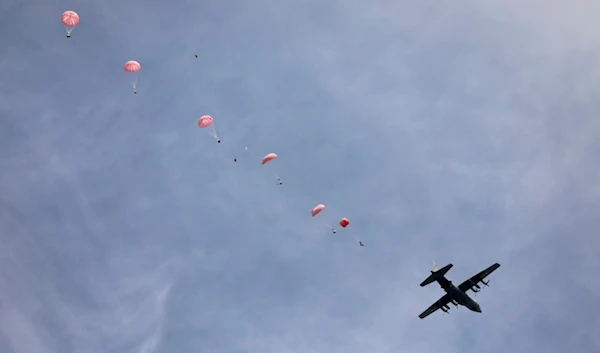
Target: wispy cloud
(463,133)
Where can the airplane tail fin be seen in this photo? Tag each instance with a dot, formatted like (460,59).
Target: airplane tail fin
(436,274)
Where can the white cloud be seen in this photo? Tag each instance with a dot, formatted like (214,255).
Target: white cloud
(461,133)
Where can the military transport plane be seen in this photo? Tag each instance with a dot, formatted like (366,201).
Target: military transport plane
(456,295)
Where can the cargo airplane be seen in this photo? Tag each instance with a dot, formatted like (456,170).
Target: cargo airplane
(456,295)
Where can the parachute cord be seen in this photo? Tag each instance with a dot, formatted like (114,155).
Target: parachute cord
(329,226)
(354,236)
(212,135)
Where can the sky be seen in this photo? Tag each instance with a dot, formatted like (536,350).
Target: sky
(459,132)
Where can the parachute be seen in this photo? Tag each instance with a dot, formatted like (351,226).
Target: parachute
(133,67)
(268,158)
(206,121)
(318,209)
(69,19)
(344,222)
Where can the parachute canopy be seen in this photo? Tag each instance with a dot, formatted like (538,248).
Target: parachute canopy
(204,121)
(132,66)
(317,209)
(268,158)
(344,222)
(69,19)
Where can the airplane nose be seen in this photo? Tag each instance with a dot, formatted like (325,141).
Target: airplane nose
(477,308)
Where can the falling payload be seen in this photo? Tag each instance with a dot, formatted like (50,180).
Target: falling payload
(318,209)
(69,19)
(206,121)
(268,158)
(344,222)
(133,68)
(235,159)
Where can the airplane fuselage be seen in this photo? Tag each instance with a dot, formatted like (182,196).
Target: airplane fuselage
(458,296)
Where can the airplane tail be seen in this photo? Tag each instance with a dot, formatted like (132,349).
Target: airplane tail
(436,274)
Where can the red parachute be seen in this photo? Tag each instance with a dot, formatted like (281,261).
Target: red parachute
(204,121)
(207,121)
(69,19)
(133,67)
(344,222)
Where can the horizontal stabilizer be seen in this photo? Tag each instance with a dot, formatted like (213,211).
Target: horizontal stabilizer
(435,275)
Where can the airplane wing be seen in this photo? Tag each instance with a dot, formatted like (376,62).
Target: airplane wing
(443,301)
(468,284)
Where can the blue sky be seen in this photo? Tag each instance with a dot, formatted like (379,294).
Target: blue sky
(464,133)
